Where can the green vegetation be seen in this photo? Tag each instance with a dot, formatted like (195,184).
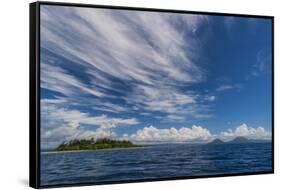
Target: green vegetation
(94,144)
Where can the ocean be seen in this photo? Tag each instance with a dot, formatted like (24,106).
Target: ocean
(153,162)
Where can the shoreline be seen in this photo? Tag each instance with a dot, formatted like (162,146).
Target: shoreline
(105,149)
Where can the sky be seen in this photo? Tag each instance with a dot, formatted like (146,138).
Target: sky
(153,77)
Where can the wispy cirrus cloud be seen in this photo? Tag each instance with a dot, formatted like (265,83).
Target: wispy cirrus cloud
(130,40)
(151,56)
(56,79)
(263,63)
(226,87)
(174,103)
(210,98)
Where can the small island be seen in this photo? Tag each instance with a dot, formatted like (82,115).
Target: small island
(216,141)
(92,144)
(237,140)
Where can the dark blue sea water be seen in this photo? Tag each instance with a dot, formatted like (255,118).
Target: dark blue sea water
(157,161)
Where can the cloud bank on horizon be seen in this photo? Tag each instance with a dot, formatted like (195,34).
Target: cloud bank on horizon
(135,75)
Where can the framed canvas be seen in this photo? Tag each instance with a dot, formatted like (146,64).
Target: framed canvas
(123,94)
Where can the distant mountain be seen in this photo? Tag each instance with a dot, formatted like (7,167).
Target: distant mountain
(237,140)
(216,141)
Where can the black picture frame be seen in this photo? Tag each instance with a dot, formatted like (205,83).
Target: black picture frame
(34,91)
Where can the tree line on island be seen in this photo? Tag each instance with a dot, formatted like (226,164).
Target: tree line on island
(94,144)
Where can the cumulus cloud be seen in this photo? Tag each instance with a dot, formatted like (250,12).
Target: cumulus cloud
(246,131)
(153,134)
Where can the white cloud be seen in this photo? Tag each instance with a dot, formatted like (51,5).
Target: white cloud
(160,99)
(175,104)
(154,53)
(246,131)
(50,138)
(107,37)
(55,113)
(56,79)
(211,98)
(263,64)
(153,134)
(224,87)
(61,124)
(174,118)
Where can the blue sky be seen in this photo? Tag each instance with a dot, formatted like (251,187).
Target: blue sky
(153,77)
